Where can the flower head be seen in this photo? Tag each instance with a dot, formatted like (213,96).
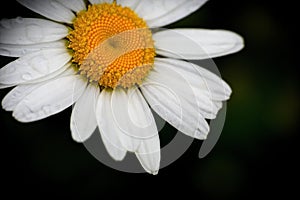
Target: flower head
(103,57)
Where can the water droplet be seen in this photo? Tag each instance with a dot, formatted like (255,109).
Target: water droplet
(200,135)
(24,51)
(27,76)
(19,20)
(30,116)
(39,64)
(46,109)
(34,33)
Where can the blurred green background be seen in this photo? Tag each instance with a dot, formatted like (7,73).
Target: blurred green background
(257,152)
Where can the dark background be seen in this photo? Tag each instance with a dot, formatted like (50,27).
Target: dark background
(256,155)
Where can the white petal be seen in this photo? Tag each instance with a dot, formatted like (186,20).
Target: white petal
(100,1)
(206,82)
(163,12)
(197,43)
(75,5)
(16,95)
(30,31)
(66,70)
(50,9)
(108,129)
(133,118)
(14,50)
(129,143)
(133,4)
(173,98)
(33,66)
(95,1)
(83,118)
(209,89)
(50,98)
(132,114)
(149,154)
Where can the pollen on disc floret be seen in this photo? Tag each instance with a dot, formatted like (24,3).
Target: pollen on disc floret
(112,45)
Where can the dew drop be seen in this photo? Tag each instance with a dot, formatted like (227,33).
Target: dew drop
(199,134)
(30,116)
(24,52)
(39,64)
(46,109)
(19,20)
(34,33)
(27,76)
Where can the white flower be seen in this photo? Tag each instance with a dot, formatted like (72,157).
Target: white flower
(106,60)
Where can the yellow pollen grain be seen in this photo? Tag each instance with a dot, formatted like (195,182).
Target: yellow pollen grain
(112,45)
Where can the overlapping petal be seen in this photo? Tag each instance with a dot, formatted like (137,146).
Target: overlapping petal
(209,89)
(100,1)
(114,132)
(83,118)
(197,43)
(149,154)
(172,97)
(18,50)
(33,66)
(26,31)
(110,132)
(75,5)
(50,9)
(132,114)
(163,12)
(50,98)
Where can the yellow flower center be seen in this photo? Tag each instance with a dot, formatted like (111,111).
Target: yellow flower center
(112,45)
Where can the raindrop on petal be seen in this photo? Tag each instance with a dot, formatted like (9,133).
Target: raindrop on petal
(46,109)
(19,20)
(27,76)
(34,33)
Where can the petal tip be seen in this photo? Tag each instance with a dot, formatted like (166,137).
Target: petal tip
(154,172)
(76,137)
(201,134)
(20,118)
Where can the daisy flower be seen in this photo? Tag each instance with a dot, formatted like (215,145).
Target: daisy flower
(109,60)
